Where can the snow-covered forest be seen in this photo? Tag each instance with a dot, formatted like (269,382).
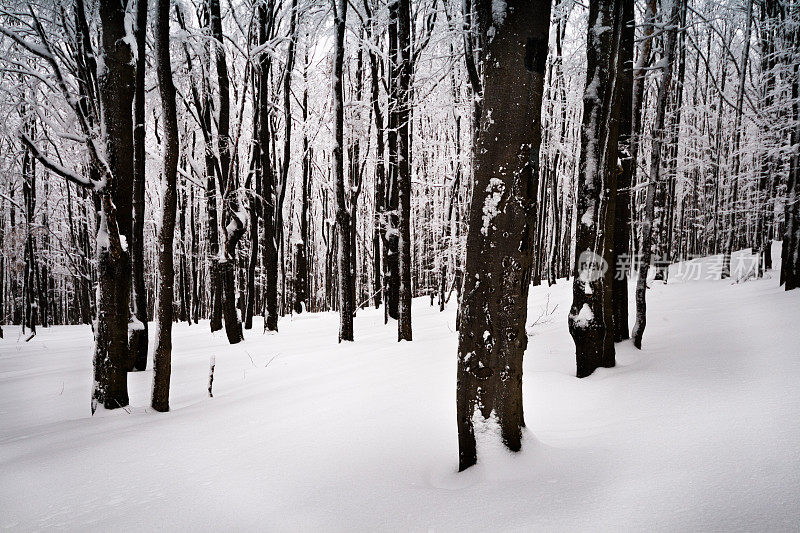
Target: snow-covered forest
(275,264)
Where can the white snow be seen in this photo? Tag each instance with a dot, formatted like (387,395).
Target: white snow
(698,431)
(492,201)
(499,11)
(103,239)
(135,325)
(584,316)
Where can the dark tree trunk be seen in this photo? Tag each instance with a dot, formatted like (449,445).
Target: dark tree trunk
(252,263)
(31,263)
(355,184)
(379,235)
(591,315)
(769,19)
(345,275)
(492,338)
(162,356)
(116,84)
(234,224)
(196,282)
(404,168)
(203,104)
(270,247)
(301,289)
(391,259)
(139,332)
(737,135)
(287,119)
(622,212)
(790,254)
(655,171)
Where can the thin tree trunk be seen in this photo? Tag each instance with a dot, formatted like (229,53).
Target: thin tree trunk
(404,168)
(790,254)
(162,356)
(379,235)
(301,302)
(655,170)
(345,275)
(234,223)
(139,330)
(391,258)
(270,248)
(622,213)
(737,135)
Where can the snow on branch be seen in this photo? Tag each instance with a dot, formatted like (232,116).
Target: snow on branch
(55,167)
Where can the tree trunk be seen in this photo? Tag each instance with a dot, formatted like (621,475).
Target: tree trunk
(287,114)
(790,254)
(404,168)
(139,330)
(655,170)
(622,211)
(391,258)
(301,289)
(111,356)
(737,135)
(270,248)
(31,263)
(379,235)
(162,356)
(492,338)
(591,315)
(234,223)
(345,275)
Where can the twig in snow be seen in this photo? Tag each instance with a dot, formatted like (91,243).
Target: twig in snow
(211,375)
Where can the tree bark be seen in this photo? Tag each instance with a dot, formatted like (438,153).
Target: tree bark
(301,291)
(116,84)
(622,211)
(492,338)
(655,171)
(591,315)
(162,356)
(345,275)
(234,224)
(379,235)
(139,331)
(790,254)
(391,259)
(270,247)
(404,168)
(737,136)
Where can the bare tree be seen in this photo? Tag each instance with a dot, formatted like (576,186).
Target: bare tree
(402,62)
(591,315)
(345,274)
(671,23)
(139,335)
(162,357)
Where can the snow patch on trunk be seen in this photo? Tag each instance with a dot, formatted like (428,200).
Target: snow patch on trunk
(495,190)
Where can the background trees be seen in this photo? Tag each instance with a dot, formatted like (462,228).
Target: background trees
(707,152)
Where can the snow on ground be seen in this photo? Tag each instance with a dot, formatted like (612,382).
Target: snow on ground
(700,430)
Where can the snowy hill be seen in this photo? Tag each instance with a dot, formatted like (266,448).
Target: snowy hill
(697,431)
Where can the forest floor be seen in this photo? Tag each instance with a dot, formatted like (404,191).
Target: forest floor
(699,430)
